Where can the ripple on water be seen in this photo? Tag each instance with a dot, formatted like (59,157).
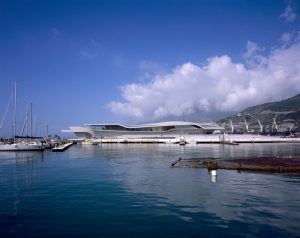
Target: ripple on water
(112,190)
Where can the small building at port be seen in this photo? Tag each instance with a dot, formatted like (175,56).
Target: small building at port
(161,130)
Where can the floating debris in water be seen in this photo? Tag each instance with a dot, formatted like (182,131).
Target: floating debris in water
(256,164)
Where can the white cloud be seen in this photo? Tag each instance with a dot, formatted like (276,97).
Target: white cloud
(253,54)
(88,54)
(289,38)
(288,15)
(149,69)
(125,109)
(219,85)
(286,37)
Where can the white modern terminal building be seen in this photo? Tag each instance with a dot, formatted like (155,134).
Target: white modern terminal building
(166,132)
(161,130)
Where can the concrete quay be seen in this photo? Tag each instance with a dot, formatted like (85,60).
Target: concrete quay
(249,138)
(200,139)
(62,147)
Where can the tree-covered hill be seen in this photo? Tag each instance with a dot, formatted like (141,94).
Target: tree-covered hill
(281,110)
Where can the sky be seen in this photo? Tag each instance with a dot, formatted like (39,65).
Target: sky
(144,61)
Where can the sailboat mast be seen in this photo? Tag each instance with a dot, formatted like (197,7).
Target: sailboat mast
(15,110)
(34,126)
(31,129)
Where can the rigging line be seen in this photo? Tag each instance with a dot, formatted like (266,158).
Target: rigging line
(6,110)
(25,120)
(34,126)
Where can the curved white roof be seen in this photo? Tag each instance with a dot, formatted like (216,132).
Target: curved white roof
(77,129)
(207,126)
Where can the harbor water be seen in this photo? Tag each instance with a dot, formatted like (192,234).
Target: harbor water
(130,190)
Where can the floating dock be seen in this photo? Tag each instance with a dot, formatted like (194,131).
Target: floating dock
(62,147)
(282,164)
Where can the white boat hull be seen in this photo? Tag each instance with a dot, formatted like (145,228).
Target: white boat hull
(89,143)
(22,147)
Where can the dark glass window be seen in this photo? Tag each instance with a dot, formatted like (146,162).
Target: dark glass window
(187,127)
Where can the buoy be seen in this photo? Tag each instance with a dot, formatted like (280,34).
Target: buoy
(213,176)
(213,173)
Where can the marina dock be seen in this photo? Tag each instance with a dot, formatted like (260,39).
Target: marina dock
(62,147)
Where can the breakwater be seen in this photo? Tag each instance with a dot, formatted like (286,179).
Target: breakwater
(198,139)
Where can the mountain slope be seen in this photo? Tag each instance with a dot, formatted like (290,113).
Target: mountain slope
(287,105)
(282,110)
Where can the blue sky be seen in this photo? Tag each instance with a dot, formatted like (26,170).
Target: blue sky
(81,61)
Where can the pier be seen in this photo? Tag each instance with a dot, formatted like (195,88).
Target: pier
(227,139)
(62,147)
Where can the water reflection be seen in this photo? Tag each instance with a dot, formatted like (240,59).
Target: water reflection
(21,157)
(144,169)
(83,151)
(130,183)
(18,170)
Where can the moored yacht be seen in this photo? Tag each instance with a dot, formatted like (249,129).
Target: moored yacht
(22,146)
(18,145)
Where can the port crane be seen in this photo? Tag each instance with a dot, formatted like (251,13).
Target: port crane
(274,124)
(232,127)
(246,125)
(260,126)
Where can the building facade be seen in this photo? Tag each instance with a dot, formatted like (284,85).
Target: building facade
(167,130)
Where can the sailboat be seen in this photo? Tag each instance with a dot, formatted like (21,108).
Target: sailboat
(20,145)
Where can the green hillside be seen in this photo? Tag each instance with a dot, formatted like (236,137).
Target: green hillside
(282,110)
(290,104)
